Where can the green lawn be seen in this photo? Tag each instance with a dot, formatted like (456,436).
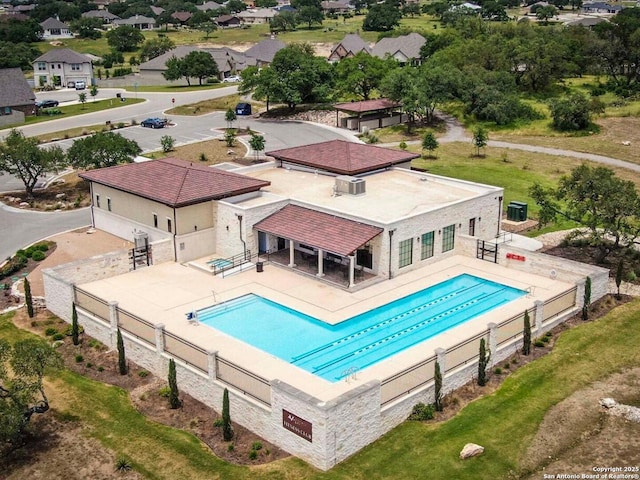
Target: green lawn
(504,422)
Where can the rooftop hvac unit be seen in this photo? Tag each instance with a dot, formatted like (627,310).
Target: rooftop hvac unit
(350,185)
(140,239)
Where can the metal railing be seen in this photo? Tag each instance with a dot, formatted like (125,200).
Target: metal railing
(91,303)
(504,237)
(231,262)
(247,382)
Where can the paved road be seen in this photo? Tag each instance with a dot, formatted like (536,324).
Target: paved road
(21,228)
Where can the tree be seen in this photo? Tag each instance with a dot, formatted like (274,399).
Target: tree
(174,70)
(586,299)
(570,113)
(595,198)
(93,91)
(200,65)
(208,28)
(82,98)
(174,395)
(227,429)
(382,18)
(526,334)
(103,149)
(284,21)
(154,47)
(437,396)
(28,299)
(75,329)
(545,13)
(13,55)
(492,10)
(256,142)
(22,158)
(483,362)
(480,139)
(430,143)
(16,31)
(165,19)
(361,74)
(236,6)
(619,271)
(122,361)
(230,116)
(199,18)
(411,9)
(87,28)
(310,15)
(22,394)
(230,137)
(125,38)
(167,142)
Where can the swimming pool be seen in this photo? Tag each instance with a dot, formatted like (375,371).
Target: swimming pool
(333,351)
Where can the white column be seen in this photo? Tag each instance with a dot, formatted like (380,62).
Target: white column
(352,263)
(211,363)
(291,254)
(538,318)
(113,320)
(493,340)
(320,263)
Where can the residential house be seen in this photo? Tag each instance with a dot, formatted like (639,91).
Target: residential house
(53,29)
(137,21)
(405,48)
(586,22)
(61,66)
(157,11)
(17,99)
(228,21)
(208,6)
(181,17)
(258,16)
(350,46)
(105,15)
(263,52)
(337,6)
(601,7)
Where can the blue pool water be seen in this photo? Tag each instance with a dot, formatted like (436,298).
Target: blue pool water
(329,351)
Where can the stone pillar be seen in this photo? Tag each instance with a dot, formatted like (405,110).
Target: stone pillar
(441,355)
(212,364)
(352,263)
(580,292)
(537,319)
(292,251)
(113,320)
(493,340)
(159,339)
(320,263)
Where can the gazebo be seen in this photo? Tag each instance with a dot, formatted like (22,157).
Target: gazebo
(369,113)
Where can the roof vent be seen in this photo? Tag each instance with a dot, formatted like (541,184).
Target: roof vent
(350,185)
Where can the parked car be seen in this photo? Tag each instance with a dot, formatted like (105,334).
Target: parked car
(232,79)
(80,85)
(243,109)
(47,103)
(153,123)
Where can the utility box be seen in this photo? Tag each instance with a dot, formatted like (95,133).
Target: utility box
(524,208)
(516,213)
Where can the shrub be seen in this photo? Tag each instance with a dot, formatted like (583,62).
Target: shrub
(89,364)
(174,396)
(58,336)
(42,246)
(253,454)
(497,371)
(483,362)
(422,412)
(403,145)
(79,359)
(227,429)
(122,362)
(164,392)
(256,446)
(123,465)
(203,157)
(545,339)
(167,142)
(230,447)
(143,374)
(218,422)
(100,369)
(437,387)
(548,334)
(38,256)
(539,343)
(50,331)
(75,330)
(507,365)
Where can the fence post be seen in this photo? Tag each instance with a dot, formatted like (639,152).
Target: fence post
(159,332)
(212,360)
(493,340)
(538,318)
(113,320)
(580,292)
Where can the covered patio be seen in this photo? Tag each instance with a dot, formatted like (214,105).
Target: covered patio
(320,244)
(368,113)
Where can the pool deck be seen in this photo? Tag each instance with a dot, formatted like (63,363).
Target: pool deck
(165,293)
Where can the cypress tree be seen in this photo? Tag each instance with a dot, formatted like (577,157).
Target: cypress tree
(526,335)
(619,277)
(483,361)
(122,361)
(587,299)
(227,430)
(28,299)
(74,325)
(174,398)
(437,375)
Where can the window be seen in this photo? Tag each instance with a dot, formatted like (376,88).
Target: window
(426,250)
(155,220)
(6,110)
(76,67)
(405,255)
(98,201)
(168,225)
(42,66)
(108,204)
(448,238)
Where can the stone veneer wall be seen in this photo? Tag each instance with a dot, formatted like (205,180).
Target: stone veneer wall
(59,281)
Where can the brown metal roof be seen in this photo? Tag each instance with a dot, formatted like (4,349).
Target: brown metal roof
(367,105)
(345,158)
(174,182)
(317,229)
